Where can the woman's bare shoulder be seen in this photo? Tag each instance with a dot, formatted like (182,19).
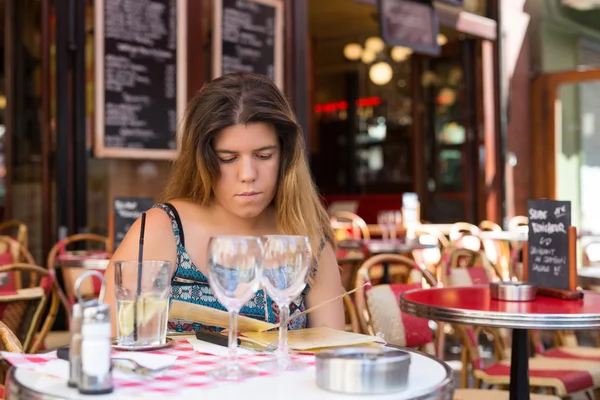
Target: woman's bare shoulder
(190,212)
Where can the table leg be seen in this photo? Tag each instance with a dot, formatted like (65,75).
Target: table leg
(519,365)
(386,273)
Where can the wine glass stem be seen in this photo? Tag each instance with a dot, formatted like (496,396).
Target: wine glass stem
(232,357)
(282,354)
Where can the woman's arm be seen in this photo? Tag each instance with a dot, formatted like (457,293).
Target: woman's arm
(159,244)
(328,285)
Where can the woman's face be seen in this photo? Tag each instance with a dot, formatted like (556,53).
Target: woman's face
(249,161)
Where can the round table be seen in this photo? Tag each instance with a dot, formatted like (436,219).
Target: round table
(507,236)
(397,246)
(84,259)
(86,263)
(428,377)
(473,306)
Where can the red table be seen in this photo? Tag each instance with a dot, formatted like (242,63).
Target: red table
(473,306)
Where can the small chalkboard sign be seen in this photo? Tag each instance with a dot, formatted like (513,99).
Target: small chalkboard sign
(410,23)
(248,37)
(550,256)
(140,77)
(126,211)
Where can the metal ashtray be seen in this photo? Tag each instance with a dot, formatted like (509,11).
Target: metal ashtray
(512,291)
(363,370)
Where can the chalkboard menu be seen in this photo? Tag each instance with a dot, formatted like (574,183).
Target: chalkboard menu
(126,211)
(138,68)
(548,246)
(248,36)
(409,23)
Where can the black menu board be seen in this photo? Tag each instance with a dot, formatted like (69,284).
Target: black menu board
(248,36)
(409,23)
(136,77)
(126,211)
(548,243)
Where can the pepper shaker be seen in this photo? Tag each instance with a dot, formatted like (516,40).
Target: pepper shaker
(75,347)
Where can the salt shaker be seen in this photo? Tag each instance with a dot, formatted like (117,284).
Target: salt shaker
(95,369)
(75,347)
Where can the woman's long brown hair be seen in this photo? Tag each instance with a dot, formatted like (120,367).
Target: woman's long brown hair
(244,98)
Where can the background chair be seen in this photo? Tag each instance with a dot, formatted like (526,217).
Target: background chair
(378,306)
(23,311)
(89,288)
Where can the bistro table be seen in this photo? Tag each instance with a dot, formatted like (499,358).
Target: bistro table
(84,259)
(429,378)
(397,246)
(507,236)
(473,306)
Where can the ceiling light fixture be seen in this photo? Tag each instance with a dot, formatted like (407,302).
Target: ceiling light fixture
(381,73)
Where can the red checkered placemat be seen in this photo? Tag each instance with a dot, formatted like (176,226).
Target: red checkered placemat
(190,370)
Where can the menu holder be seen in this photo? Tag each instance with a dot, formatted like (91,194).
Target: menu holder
(126,210)
(248,36)
(550,257)
(139,77)
(409,23)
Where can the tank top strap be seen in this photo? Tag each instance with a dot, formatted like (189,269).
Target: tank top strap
(175,221)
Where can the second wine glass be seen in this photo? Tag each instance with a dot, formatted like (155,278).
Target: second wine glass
(286,263)
(234,274)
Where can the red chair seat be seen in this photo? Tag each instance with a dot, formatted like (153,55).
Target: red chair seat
(567,376)
(578,353)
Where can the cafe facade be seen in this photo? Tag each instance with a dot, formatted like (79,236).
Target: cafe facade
(399,117)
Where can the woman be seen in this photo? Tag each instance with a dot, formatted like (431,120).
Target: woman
(241,170)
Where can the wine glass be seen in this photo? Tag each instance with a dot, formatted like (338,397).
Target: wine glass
(234,274)
(286,264)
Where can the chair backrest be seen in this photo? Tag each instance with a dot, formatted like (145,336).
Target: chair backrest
(70,275)
(15,229)
(9,343)
(430,258)
(358,227)
(378,306)
(518,223)
(12,252)
(461,228)
(464,267)
(497,251)
(486,225)
(23,310)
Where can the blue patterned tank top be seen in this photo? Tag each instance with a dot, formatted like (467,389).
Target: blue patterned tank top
(189,284)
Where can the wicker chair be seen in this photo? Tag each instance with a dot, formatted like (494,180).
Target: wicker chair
(23,311)
(377,306)
(15,229)
(357,225)
(70,275)
(9,343)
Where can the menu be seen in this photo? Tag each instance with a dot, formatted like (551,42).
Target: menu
(548,246)
(137,76)
(409,23)
(248,37)
(126,211)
